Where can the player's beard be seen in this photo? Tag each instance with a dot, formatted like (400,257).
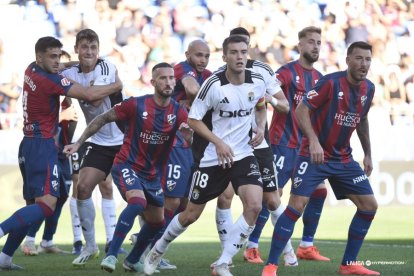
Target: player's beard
(309,58)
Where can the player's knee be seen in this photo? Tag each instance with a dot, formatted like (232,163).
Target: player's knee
(46,209)
(137,203)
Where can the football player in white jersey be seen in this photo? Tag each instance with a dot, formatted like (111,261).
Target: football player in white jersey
(223,145)
(264,155)
(100,151)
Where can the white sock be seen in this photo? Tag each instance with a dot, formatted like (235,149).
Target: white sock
(76,225)
(5,259)
(288,247)
(87,215)
(173,230)
(224,222)
(45,243)
(305,244)
(30,239)
(236,240)
(251,244)
(274,215)
(108,209)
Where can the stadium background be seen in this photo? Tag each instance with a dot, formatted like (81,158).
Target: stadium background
(137,34)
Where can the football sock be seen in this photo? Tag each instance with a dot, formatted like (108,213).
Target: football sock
(281,233)
(126,219)
(108,208)
(5,259)
(224,222)
(76,225)
(87,214)
(356,235)
(51,222)
(260,223)
(145,236)
(14,239)
(173,230)
(274,215)
(33,229)
(311,216)
(237,238)
(168,216)
(26,216)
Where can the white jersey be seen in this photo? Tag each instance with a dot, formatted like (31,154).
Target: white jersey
(104,73)
(227,111)
(272,88)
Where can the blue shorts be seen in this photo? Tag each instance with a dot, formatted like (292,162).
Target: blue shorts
(65,176)
(176,180)
(285,160)
(345,178)
(126,179)
(38,162)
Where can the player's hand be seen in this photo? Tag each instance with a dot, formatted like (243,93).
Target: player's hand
(186,131)
(69,114)
(69,149)
(258,137)
(368,167)
(185,103)
(224,154)
(316,152)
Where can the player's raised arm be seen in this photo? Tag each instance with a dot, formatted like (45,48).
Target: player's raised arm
(278,102)
(96,92)
(91,129)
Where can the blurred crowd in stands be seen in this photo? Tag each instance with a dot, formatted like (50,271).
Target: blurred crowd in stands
(136,34)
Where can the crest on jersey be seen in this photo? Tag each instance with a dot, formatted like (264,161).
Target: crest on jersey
(296,182)
(311,94)
(130,181)
(363,99)
(65,82)
(171,118)
(171,184)
(196,194)
(144,115)
(250,95)
(340,95)
(191,73)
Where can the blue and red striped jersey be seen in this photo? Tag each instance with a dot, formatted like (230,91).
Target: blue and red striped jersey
(149,133)
(41,91)
(182,70)
(337,108)
(294,81)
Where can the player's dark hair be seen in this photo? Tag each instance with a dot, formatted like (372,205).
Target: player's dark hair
(88,34)
(239,31)
(233,39)
(161,65)
(47,42)
(310,29)
(358,44)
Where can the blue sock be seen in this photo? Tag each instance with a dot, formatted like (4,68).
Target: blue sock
(281,234)
(312,214)
(26,216)
(51,222)
(34,228)
(260,223)
(144,238)
(14,239)
(168,216)
(125,222)
(356,235)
